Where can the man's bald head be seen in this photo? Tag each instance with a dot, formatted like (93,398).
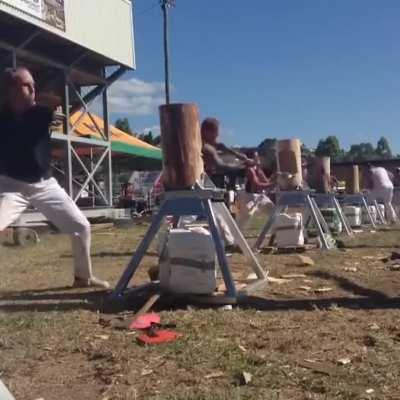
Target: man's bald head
(19,87)
(210,130)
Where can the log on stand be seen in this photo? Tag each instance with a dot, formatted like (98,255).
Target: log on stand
(288,155)
(353,181)
(321,175)
(181,145)
(182,169)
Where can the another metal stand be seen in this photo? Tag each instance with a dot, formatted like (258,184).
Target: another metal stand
(329,199)
(379,215)
(298,199)
(359,200)
(197,202)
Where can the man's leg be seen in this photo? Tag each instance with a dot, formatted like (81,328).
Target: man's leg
(263,205)
(224,231)
(12,205)
(387,200)
(243,215)
(51,199)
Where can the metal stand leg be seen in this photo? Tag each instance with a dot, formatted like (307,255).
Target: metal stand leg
(365,205)
(323,223)
(314,215)
(267,227)
(342,217)
(219,248)
(139,254)
(239,238)
(379,213)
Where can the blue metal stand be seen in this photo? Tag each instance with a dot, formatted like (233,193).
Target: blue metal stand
(298,199)
(329,199)
(197,202)
(357,199)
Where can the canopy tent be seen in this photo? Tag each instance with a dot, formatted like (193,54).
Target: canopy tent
(121,142)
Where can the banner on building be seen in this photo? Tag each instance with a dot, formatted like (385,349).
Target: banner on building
(49,11)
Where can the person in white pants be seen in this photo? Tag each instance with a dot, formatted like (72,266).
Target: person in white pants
(382,190)
(253,200)
(25,178)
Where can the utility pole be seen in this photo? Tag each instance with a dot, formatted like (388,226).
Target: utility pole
(165,4)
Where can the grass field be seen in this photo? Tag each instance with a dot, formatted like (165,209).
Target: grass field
(294,341)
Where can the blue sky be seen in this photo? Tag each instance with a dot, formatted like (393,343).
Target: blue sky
(283,68)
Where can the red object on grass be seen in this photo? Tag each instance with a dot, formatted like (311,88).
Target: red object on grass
(161,336)
(145,321)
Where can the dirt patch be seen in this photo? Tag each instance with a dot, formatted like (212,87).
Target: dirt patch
(296,342)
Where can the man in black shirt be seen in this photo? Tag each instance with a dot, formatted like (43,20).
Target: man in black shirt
(25,172)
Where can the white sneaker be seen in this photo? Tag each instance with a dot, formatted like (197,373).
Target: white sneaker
(90,282)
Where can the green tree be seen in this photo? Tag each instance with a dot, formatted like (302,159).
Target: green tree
(149,138)
(330,147)
(267,151)
(305,151)
(123,125)
(361,152)
(383,149)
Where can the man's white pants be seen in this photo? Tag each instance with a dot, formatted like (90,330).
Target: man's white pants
(54,203)
(251,204)
(385,195)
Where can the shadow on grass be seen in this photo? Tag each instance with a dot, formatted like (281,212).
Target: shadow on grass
(114,254)
(361,303)
(348,285)
(54,299)
(66,299)
(369,246)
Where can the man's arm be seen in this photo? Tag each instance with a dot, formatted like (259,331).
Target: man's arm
(237,154)
(219,163)
(254,179)
(261,175)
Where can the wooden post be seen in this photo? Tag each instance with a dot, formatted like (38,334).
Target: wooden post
(181,146)
(289,163)
(352,177)
(355,184)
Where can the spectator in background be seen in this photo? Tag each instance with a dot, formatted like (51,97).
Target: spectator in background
(381,189)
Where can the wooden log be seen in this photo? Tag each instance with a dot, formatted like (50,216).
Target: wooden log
(181,146)
(289,164)
(321,173)
(353,180)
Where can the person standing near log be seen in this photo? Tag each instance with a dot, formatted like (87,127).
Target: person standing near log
(254,199)
(381,189)
(215,167)
(25,171)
